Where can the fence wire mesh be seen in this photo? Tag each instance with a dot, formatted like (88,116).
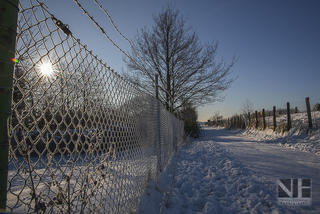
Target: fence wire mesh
(82,139)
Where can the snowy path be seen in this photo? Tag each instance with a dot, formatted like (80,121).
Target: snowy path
(228,172)
(271,161)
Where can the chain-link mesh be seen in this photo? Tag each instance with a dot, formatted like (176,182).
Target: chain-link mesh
(82,140)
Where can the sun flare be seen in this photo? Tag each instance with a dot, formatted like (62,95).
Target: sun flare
(46,69)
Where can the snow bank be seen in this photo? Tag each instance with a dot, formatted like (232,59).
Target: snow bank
(296,138)
(208,180)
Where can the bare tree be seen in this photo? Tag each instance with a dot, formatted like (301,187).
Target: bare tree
(246,107)
(187,69)
(216,116)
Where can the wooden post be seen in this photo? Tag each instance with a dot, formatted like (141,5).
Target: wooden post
(296,110)
(264,119)
(309,112)
(274,119)
(257,121)
(249,119)
(288,116)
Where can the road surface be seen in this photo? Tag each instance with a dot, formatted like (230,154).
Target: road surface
(271,162)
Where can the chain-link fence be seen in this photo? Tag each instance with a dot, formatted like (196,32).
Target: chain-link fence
(82,139)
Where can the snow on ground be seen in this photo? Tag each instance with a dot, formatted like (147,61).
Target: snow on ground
(296,138)
(300,137)
(101,178)
(232,172)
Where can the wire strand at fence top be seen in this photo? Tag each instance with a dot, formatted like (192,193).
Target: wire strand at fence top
(46,9)
(103,32)
(85,12)
(64,28)
(115,27)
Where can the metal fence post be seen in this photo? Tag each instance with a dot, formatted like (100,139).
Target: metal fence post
(158,136)
(8,26)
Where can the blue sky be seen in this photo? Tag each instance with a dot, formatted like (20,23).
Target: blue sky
(277,43)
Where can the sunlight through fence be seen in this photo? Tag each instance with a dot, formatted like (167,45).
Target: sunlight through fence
(82,139)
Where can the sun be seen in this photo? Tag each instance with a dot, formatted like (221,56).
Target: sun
(46,69)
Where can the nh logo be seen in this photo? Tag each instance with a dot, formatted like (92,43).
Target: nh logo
(294,191)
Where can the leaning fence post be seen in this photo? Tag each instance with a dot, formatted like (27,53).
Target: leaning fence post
(8,26)
(274,119)
(309,112)
(289,117)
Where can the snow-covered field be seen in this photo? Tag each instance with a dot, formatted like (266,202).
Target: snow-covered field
(232,171)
